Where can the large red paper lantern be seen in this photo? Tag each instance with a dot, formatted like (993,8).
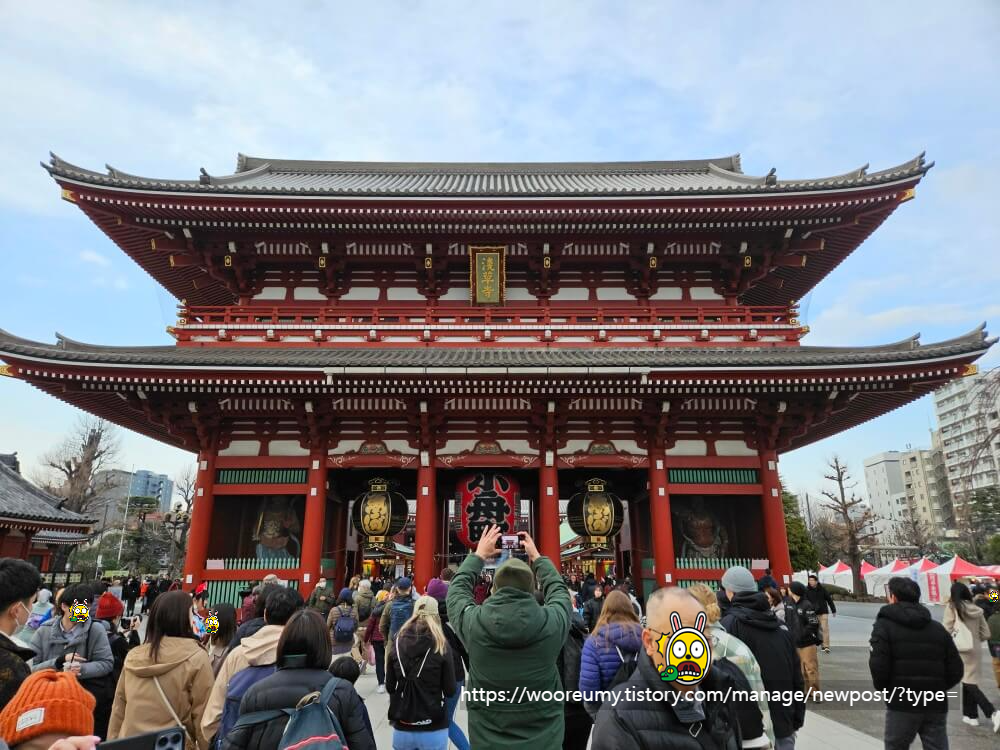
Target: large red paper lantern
(485,498)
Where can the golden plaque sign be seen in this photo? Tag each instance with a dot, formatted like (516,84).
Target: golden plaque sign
(487,274)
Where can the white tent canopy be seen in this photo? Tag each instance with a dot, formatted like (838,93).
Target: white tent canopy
(935,584)
(876,580)
(838,574)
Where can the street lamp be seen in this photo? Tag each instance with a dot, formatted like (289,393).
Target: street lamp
(177,521)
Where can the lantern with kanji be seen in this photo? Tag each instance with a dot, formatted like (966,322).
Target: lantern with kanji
(596,514)
(486,498)
(379,514)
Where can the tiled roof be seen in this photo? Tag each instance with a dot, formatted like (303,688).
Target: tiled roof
(694,357)
(60,537)
(256,175)
(21,500)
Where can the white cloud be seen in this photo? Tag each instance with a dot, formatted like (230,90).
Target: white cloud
(89,256)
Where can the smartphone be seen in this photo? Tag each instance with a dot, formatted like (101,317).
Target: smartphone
(162,739)
(510,541)
(125,623)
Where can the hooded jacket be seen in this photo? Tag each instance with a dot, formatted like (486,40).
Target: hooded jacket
(751,620)
(638,724)
(513,642)
(184,672)
(909,649)
(256,650)
(600,660)
(363,601)
(821,600)
(14,667)
(460,656)
(284,689)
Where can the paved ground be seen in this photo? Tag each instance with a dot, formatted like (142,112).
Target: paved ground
(847,664)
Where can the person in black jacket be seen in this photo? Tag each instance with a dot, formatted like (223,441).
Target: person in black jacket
(421,656)
(767,581)
(587,589)
(592,609)
(19,584)
(909,649)
(672,724)
(806,632)
(751,620)
(820,598)
(304,652)
(251,626)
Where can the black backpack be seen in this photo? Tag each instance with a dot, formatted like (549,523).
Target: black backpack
(411,705)
(570,657)
(625,669)
(747,711)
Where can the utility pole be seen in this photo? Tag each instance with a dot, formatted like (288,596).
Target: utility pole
(128,499)
(809,512)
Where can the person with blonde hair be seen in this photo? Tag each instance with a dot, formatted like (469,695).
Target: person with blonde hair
(421,657)
(610,653)
(726,646)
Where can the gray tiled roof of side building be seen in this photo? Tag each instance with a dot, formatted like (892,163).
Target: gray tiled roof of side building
(908,350)
(256,175)
(20,499)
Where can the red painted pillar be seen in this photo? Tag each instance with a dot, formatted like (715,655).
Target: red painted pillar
(426,523)
(548,509)
(638,551)
(773,512)
(660,521)
(315,523)
(601,570)
(26,544)
(201,520)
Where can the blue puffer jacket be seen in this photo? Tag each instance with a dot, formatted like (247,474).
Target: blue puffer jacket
(600,660)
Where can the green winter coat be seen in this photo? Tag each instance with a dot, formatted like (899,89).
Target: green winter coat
(513,643)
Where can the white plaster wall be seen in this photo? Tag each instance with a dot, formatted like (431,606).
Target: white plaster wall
(571,293)
(359,293)
(689,448)
(613,293)
(287,448)
(404,293)
(518,294)
(704,292)
(308,293)
(733,448)
(242,448)
(456,294)
(667,292)
(271,293)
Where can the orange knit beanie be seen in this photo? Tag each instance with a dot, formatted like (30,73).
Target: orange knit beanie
(47,701)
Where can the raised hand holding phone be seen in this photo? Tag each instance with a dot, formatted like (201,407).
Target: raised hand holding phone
(487,547)
(529,546)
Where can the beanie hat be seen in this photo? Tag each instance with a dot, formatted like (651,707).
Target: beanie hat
(438,589)
(346,595)
(738,580)
(109,607)
(516,574)
(403,583)
(47,702)
(798,588)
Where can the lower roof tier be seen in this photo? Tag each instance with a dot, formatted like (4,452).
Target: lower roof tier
(783,398)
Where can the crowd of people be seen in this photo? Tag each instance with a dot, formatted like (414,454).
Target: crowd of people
(250,679)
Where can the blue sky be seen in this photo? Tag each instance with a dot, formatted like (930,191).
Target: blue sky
(812,89)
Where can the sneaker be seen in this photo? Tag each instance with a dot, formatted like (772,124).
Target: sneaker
(996,721)
(970,722)
(381,689)
(826,649)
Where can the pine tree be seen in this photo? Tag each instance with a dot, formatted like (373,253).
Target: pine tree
(800,546)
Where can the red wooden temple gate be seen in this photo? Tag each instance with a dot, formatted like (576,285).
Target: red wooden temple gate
(341,322)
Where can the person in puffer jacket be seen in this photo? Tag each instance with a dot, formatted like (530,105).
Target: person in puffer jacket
(615,641)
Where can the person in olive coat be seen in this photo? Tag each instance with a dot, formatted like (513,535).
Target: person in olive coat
(513,643)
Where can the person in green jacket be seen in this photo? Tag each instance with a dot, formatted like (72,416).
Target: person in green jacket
(322,597)
(513,643)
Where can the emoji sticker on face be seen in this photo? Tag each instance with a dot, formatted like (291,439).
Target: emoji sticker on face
(212,622)
(686,653)
(78,612)
(994,595)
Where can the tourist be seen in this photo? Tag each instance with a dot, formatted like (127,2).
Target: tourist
(257,650)
(981,599)
(754,720)
(255,623)
(321,599)
(681,721)
(820,598)
(909,649)
(963,619)
(994,643)
(481,591)
(610,654)
(19,584)
(41,613)
(108,613)
(249,604)
(577,722)
(167,680)
(592,608)
(303,666)
(374,639)
(199,610)
(218,642)
(751,620)
(512,642)
(343,624)
(79,647)
(131,632)
(421,658)
(767,581)
(587,588)
(116,590)
(574,583)
(806,633)
(131,592)
(150,594)
(364,602)
(398,611)
(438,590)
(48,707)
